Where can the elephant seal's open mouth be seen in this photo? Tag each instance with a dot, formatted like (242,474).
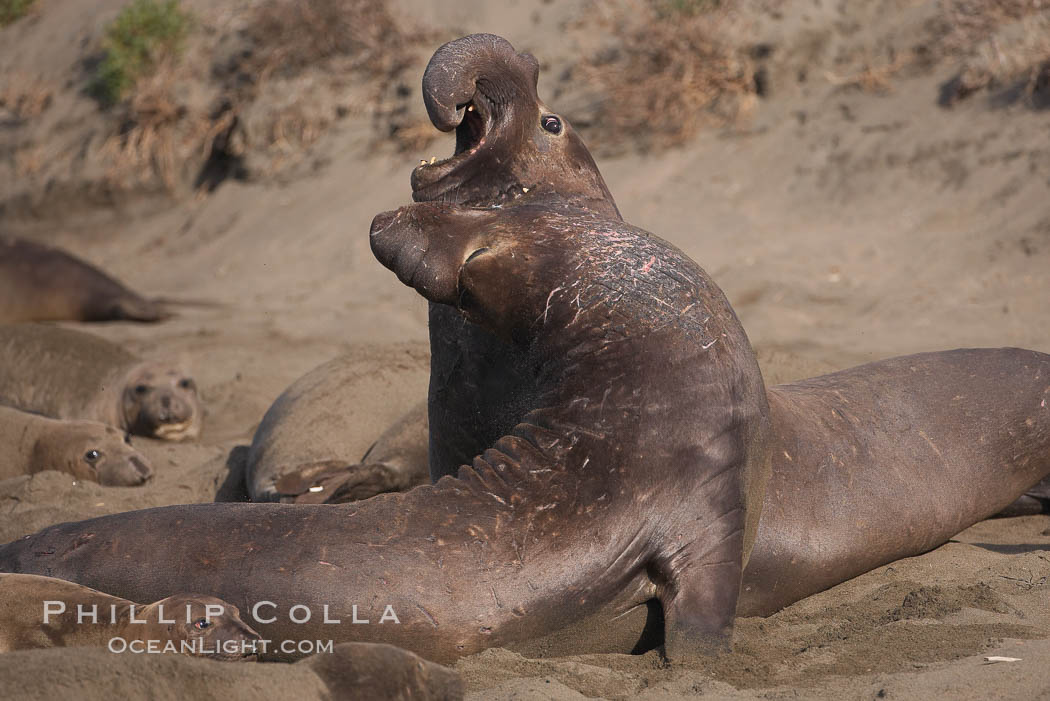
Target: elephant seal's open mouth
(436,179)
(508,143)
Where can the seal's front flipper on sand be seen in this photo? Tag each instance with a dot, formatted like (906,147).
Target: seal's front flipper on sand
(700,603)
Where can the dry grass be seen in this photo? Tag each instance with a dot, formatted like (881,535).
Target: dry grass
(963,24)
(1009,53)
(294,66)
(24,96)
(292,35)
(156,134)
(873,77)
(359,37)
(666,74)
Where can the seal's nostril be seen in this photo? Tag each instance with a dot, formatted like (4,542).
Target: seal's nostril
(381,221)
(475,254)
(143,469)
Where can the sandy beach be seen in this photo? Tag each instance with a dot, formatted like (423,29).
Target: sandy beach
(847,220)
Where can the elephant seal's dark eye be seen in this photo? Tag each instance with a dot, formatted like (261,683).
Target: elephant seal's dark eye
(201,623)
(141,389)
(186,383)
(92,455)
(551,123)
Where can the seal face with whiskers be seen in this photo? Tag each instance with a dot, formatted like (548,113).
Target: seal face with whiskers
(67,374)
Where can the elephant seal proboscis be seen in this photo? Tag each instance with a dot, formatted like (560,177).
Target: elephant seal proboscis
(633,465)
(313,444)
(38,612)
(67,374)
(43,283)
(88,450)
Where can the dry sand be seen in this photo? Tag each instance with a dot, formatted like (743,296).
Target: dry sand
(845,226)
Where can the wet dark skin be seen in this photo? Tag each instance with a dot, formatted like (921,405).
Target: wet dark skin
(631,452)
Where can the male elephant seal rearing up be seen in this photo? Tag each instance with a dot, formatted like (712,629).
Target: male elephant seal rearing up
(66,374)
(636,432)
(575,511)
(41,283)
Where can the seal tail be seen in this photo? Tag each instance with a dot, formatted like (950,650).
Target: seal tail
(163,308)
(181,302)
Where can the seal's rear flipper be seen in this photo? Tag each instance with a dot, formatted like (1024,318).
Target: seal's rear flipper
(135,308)
(1035,501)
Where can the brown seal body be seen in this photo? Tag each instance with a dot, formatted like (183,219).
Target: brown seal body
(41,283)
(578,509)
(639,439)
(318,436)
(67,374)
(37,612)
(88,450)
(891,459)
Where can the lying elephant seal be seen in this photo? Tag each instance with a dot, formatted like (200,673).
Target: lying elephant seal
(38,612)
(41,283)
(66,374)
(314,439)
(348,672)
(88,450)
(635,467)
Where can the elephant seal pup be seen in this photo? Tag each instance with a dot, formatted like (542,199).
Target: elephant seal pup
(67,374)
(37,612)
(578,508)
(315,437)
(41,283)
(88,450)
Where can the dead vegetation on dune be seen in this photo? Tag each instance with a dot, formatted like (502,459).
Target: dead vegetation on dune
(1003,46)
(23,96)
(279,74)
(293,35)
(668,69)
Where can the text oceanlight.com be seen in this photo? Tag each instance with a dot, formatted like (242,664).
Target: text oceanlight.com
(240,648)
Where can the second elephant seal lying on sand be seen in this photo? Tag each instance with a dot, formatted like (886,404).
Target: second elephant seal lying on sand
(67,374)
(41,283)
(88,450)
(313,445)
(38,612)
